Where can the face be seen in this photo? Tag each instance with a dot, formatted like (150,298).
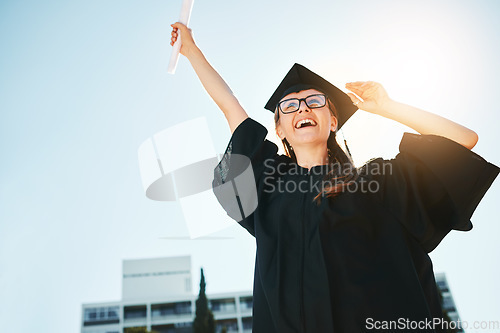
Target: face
(306,125)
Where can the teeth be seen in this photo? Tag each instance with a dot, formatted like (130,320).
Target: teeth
(305,121)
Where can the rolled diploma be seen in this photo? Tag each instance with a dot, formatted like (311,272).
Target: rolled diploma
(187,6)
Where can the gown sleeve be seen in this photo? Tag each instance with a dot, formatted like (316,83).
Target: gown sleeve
(432,186)
(242,166)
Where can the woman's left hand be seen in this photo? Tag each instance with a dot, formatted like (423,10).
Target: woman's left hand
(374,98)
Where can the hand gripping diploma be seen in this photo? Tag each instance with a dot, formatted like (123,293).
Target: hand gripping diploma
(213,83)
(187,6)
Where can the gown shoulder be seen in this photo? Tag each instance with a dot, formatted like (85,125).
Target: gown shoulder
(432,186)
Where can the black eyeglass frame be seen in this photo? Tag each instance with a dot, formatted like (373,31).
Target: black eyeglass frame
(300,101)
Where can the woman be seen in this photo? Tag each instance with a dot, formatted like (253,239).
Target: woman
(340,257)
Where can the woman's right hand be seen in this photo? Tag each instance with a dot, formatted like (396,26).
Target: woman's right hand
(188,44)
(213,83)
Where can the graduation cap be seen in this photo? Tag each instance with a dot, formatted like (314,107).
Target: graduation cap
(300,78)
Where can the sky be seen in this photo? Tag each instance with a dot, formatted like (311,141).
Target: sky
(84,83)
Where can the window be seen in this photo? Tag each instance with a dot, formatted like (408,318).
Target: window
(182,307)
(135,312)
(230,324)
(247,323)
(100,316)
(133,329)
(113,312)
(223,305)
(448,304)
(246,303)
(185,327)
(443,286)
(170,309)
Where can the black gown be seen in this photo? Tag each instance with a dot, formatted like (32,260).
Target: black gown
(361,256)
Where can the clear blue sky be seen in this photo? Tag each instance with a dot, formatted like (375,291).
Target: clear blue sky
(84,83)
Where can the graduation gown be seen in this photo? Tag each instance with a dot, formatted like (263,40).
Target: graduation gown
(361,256)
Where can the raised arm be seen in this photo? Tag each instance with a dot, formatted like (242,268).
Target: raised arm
(213,83)
(375,99)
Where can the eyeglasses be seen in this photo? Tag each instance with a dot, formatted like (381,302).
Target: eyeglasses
(293,104)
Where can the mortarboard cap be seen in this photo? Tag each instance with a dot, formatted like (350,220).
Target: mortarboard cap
(300,78)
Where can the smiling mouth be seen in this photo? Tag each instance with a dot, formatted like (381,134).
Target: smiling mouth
(305,123)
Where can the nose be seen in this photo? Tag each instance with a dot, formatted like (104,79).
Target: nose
(303,108)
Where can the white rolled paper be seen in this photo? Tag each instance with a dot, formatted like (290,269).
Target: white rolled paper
(187,7)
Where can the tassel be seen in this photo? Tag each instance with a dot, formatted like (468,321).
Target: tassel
(346,146)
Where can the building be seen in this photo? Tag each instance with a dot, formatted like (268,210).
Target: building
(447,302)
(157,295)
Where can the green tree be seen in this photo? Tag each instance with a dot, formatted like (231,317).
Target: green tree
(204,321)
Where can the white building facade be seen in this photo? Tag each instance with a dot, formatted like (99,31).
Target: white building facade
(157,295)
